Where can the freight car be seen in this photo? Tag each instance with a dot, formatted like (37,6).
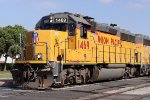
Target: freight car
(68,48)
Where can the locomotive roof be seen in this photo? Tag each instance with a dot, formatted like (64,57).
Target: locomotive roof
(143,36)
(83,19)
(79,19)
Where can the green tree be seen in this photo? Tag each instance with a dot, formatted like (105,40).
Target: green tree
(13,50)
(10,40)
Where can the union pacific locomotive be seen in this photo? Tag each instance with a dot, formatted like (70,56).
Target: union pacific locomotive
(68,48)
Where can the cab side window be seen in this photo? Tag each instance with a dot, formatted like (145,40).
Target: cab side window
(71,28)
(83,32)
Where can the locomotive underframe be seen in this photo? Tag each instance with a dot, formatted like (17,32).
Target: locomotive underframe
(41,76)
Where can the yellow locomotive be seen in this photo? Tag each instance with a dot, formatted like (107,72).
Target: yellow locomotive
(68,48)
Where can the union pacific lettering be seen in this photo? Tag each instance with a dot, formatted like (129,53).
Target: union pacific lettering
(109,41)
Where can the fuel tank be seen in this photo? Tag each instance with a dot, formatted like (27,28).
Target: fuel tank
(107,74)
(116,65)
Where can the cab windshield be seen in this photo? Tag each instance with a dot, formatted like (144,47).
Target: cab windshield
(56,26)
(45,24)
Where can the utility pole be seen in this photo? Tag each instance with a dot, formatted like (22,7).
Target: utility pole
(21,45)
(20,39)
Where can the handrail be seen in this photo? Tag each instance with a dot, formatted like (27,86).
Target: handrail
(58,43)
(126,55)
(39,45)
(117,55)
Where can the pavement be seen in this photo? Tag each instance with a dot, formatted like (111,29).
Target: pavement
(125,89)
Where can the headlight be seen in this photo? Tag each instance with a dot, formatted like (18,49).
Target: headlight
(39,56)
(18,56)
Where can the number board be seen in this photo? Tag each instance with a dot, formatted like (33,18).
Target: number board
(60,20)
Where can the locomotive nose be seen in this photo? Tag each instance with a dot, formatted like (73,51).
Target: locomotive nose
(41,42)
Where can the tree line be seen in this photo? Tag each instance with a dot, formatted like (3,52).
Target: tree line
(12,41)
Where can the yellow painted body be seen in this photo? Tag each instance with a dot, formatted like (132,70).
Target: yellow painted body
(146,55)
(105,47)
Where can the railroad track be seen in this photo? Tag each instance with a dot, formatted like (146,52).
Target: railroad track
(120,91)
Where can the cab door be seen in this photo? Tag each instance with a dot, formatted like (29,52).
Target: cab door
(72,35)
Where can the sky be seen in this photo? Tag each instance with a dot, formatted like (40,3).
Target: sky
(133,15)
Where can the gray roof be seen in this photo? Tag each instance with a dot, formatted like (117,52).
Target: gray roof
(79,19)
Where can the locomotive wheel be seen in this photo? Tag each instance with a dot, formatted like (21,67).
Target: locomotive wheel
(126,75)
(71,80)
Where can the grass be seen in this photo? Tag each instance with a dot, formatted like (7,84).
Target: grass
(5,74)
